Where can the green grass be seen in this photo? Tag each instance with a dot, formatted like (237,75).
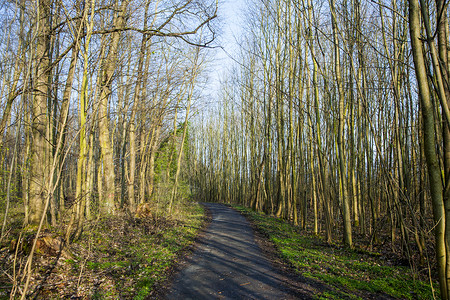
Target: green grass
(133,266)
(349,272)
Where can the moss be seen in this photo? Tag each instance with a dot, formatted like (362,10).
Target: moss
(136,256)
(349,272)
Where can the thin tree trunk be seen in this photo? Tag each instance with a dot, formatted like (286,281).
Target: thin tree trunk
(340,135)
(109,204)
(434,173)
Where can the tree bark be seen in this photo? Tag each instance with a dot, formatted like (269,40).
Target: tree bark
(109,204)
(40,148)
(340,135)
(434,172)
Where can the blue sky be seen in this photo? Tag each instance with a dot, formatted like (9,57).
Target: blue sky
(231,13)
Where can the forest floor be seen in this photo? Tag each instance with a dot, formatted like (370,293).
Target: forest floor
(139,258)
(228,264)
(115,258)
(336,271)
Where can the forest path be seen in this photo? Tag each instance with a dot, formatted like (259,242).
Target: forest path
(228,264)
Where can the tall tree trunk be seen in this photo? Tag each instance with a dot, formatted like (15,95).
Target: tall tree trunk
(340,135)
(185,125)
(40,148)
(109,204)
(136,105)
(434,172)
(443,50)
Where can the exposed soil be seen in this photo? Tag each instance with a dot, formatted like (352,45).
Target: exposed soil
(230,259)
(105,262)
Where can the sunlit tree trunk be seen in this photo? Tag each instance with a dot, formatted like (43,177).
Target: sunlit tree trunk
(109,205)
(40,148)
(434,172)
(185,126)
(340,134)
(443,51)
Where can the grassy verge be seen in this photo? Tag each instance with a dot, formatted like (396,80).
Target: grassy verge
(144,260)
(351,273)
(119,257)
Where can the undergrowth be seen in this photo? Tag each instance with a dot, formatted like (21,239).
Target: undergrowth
(138,264)
(348,271)
(117,257)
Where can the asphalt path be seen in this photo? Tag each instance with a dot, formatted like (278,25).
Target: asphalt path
(228,264)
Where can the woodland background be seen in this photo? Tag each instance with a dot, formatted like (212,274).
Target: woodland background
(334,117)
